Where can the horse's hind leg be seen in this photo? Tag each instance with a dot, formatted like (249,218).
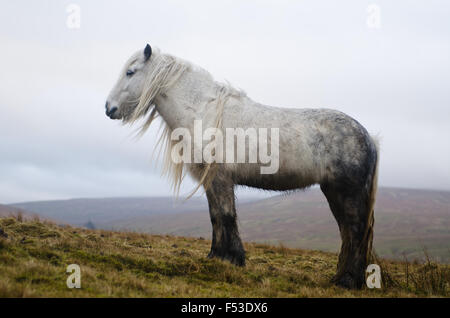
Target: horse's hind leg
(352,212)
(226,243)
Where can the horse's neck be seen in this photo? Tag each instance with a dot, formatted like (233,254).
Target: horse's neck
(188,99)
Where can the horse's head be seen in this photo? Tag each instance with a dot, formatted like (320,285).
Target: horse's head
(125,95)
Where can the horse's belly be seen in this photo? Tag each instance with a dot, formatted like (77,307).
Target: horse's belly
(275,182)
(250,175)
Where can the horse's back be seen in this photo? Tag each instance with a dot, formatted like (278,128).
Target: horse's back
(316,146)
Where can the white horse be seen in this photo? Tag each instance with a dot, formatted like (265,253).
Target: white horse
(316,146)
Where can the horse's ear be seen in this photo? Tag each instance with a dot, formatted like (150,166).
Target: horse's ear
(147,52)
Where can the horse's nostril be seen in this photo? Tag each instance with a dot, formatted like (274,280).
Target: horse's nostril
(106,105)
(113,110)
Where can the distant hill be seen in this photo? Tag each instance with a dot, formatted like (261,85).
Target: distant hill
(406,221)
(34,256)
(7,210)
(110,211)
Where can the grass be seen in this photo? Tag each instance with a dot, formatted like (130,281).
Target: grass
(34,256)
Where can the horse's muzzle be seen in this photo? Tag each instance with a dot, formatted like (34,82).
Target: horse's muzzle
(110,111)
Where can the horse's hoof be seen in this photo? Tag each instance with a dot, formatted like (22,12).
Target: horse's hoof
(235,258)
(238,260)
(346,281)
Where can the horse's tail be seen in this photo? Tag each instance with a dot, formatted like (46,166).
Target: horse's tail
(372,185)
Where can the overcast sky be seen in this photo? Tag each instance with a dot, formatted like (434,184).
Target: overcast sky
(56,142)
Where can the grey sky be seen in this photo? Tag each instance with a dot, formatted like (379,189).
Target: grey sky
(56,142)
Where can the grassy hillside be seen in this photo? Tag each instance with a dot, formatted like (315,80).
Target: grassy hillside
(34,256)
(406,220)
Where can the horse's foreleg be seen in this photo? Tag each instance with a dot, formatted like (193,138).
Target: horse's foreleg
(226,243)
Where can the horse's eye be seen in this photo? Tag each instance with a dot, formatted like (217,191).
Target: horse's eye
(130,72)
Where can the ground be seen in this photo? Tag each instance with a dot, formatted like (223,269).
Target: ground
(34,256)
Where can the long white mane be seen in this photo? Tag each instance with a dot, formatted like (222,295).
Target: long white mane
(165,71)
